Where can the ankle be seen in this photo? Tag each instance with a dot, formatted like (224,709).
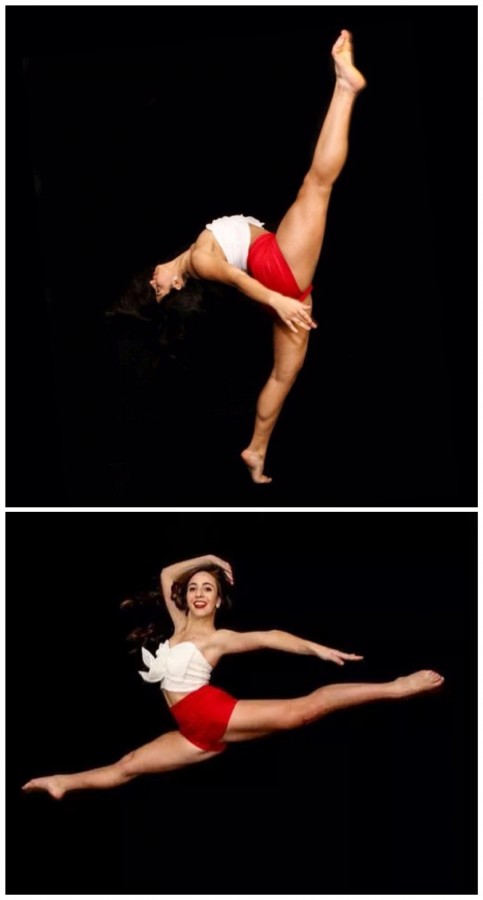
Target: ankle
(394,689)
(257,449)
(344,89)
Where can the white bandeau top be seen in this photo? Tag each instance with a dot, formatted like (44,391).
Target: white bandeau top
(233,236)
(181,668)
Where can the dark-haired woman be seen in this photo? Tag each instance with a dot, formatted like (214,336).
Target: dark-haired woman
(276,269)
(207,717)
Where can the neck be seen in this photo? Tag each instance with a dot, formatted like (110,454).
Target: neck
(199,629)
(182,264)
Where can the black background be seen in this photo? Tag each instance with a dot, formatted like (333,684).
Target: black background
(129,129)
(379,798)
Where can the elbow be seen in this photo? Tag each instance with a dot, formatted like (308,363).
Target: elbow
(272,638)
(236,278)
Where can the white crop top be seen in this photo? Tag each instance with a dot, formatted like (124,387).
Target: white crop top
(233,236)
(181,668)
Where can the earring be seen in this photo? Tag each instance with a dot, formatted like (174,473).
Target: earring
(218,604)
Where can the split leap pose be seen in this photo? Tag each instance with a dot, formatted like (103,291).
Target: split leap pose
(276,269)
(207,717)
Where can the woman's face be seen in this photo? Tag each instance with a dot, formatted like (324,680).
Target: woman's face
(202,595)
(164,280)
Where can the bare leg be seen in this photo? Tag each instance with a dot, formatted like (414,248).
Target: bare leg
(170,751)
(289,350)
(301,231)
(253,718)
(300,236)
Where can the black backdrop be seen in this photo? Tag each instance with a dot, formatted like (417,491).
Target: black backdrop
(129,129)
(379,798)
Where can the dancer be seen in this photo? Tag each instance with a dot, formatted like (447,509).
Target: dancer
(276,269)
(208,718)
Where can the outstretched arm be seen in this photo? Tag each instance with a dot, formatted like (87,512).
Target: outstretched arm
(171,573)
(242,642)
(211,267)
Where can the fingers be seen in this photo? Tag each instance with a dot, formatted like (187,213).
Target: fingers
(308,318)
(226,568)
(339,659)
(300,320)
(303,317)
(228,572)
(293,323)
(294,314)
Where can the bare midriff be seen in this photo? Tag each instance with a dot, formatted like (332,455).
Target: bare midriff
(255,232)
(173,697)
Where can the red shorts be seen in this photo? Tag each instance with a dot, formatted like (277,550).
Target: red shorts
(268,265)
(203,716)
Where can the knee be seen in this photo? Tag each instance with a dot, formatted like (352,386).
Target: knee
(127,765)
(286,373)
(296,713)
(319,180)
(291,715)
(311,709)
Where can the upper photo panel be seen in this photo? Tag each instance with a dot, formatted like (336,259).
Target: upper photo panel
(246,241)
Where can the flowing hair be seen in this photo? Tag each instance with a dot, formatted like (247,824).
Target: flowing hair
(150,607)
(180,320)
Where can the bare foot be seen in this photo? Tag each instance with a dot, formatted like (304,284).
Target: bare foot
(53,784)
(346,73)
(427,680)
(255,462)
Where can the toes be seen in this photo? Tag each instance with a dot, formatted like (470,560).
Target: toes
(343,37)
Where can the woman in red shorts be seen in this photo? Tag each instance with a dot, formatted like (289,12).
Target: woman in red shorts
(207,717)
(277,269)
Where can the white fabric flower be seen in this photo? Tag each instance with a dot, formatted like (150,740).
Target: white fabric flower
(156,664)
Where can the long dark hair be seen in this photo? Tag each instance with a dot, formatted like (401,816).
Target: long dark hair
(150,607)
(180,321)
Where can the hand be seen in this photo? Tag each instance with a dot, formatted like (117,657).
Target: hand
(335,656)
(223,565)
(292,312)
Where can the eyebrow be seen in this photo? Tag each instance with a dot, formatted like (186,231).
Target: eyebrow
(204,584)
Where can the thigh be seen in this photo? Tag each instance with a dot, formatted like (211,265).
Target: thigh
(170,751)
(289,349)
(257,718)
(301,232)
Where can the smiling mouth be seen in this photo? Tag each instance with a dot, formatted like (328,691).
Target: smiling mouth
(199,604)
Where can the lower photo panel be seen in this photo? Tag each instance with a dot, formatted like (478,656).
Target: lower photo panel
(328,742)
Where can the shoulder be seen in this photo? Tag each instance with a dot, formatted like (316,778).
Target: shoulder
(214,266)
(207,243)
(222,638)
(204,240)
